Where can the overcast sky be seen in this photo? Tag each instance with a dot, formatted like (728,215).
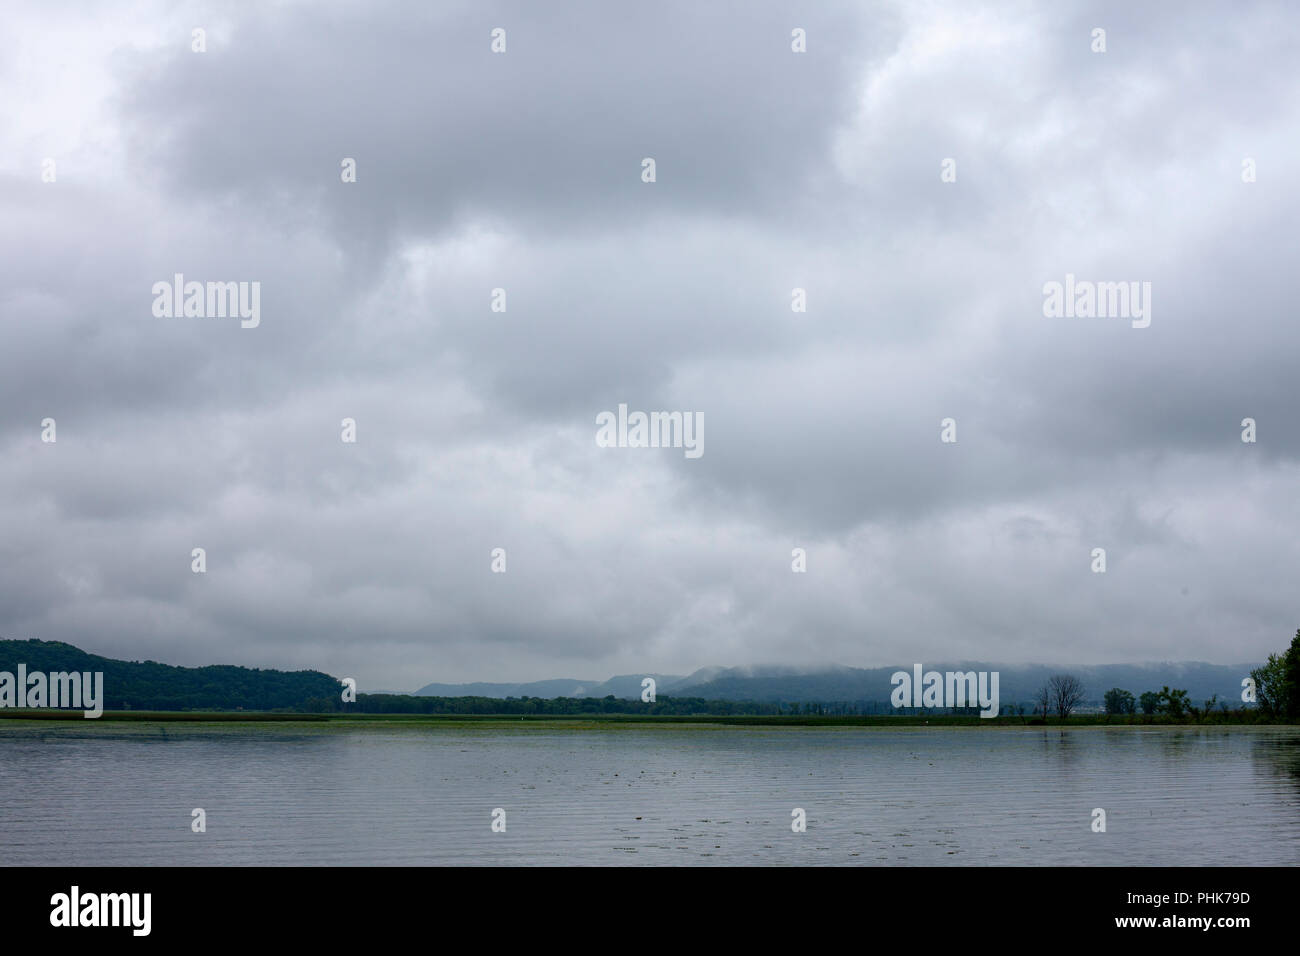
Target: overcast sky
(476,429)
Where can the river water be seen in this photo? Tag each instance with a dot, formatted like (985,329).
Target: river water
(337,794)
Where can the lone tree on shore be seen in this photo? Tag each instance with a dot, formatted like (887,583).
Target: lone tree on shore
(1277,683)
(1120,701)
(1066,691)
(1043,700)
(1175,703)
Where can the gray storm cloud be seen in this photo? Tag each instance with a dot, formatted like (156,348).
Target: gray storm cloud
(476,428)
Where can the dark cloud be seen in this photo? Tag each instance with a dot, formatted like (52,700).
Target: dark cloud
(476,428)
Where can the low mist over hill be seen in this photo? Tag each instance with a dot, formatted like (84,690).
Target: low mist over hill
(1018,683)
(626,686)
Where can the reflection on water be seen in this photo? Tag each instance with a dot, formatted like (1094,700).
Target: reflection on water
(103,794)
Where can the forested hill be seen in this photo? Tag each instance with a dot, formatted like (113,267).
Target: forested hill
(147,685)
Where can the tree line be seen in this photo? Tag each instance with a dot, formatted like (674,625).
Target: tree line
(1273,688)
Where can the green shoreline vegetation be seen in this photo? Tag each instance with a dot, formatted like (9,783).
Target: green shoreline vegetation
(1217,719)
